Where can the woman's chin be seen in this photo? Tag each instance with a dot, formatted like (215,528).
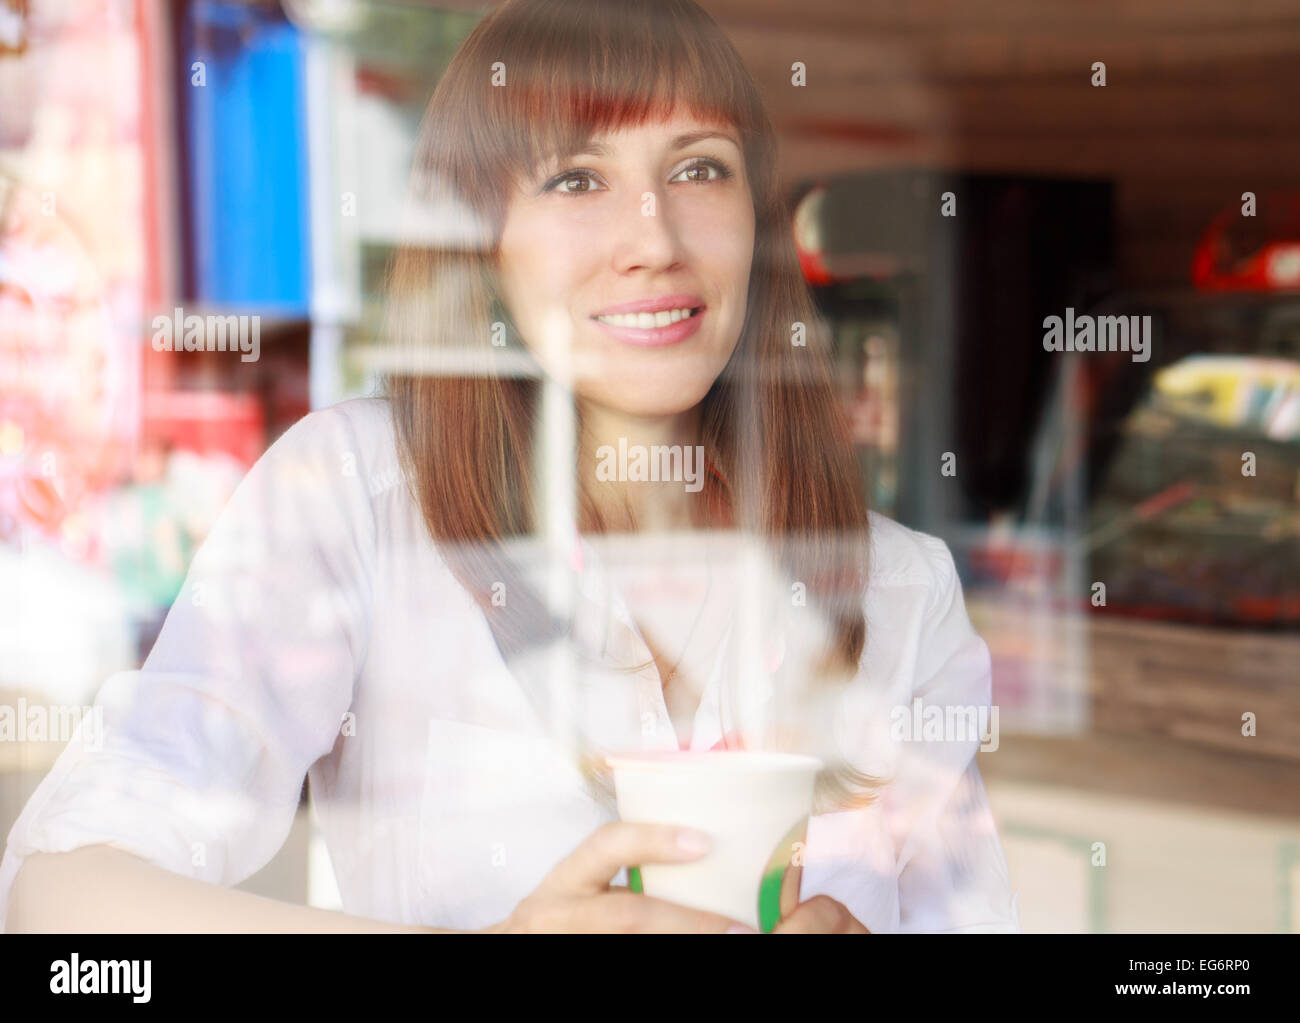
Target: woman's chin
(648,402)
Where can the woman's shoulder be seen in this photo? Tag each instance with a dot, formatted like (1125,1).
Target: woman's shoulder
(904,557)
(354,436)
(918,629)
(368,420)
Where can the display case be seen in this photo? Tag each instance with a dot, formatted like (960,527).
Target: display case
(1194,511)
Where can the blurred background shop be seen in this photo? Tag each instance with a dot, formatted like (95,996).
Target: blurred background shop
(243,158)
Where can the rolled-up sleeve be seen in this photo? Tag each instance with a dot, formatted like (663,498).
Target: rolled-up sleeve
(200,760)
(952,873)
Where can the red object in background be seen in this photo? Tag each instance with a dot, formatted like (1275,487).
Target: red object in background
(207,422)
(814,270)
(1007,562)
(1251,253)
(804,228)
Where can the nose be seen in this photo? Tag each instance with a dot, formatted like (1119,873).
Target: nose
(645,236)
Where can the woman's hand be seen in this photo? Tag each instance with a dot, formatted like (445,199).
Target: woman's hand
(576,897)
(820,915)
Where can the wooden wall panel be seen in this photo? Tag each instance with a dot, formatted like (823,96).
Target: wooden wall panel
(1200,101)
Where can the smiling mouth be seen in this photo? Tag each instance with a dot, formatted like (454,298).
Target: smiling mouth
(653,330)
(649,321)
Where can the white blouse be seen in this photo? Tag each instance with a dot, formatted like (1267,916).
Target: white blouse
(319,633)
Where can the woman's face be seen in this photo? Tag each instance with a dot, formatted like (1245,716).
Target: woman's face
(647,218)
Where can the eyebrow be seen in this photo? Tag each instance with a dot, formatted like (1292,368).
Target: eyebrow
(680,142)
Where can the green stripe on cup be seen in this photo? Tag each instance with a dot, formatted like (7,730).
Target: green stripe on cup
(769,889)
(769,900)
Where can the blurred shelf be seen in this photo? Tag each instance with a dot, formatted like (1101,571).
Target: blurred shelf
(271,319)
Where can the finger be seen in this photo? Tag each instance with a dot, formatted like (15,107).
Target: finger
(811,917)
(620,912)
(820,915)
(612,846)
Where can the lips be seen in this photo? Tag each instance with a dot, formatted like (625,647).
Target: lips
(654,336)
(653,305)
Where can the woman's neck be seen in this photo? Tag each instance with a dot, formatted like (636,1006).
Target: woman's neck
(619,456)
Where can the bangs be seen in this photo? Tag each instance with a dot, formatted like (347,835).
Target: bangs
(574,71)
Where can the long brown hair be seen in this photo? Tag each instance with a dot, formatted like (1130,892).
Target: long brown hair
(534,80)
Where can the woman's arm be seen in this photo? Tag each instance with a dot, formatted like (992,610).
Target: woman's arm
(953,874)
(101,889)
(196,766)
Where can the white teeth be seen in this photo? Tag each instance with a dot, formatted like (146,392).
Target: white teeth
(646,321)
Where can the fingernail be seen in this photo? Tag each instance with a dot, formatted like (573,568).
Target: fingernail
(740,929)
(693,841)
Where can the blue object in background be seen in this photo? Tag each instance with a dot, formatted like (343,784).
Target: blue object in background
(246,160)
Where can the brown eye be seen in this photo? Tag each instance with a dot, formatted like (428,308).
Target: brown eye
(565,178)
(579,178)
(723,171)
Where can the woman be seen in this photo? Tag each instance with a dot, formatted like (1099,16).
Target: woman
(444,604)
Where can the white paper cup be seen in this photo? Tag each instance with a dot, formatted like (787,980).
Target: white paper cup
(754,805)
